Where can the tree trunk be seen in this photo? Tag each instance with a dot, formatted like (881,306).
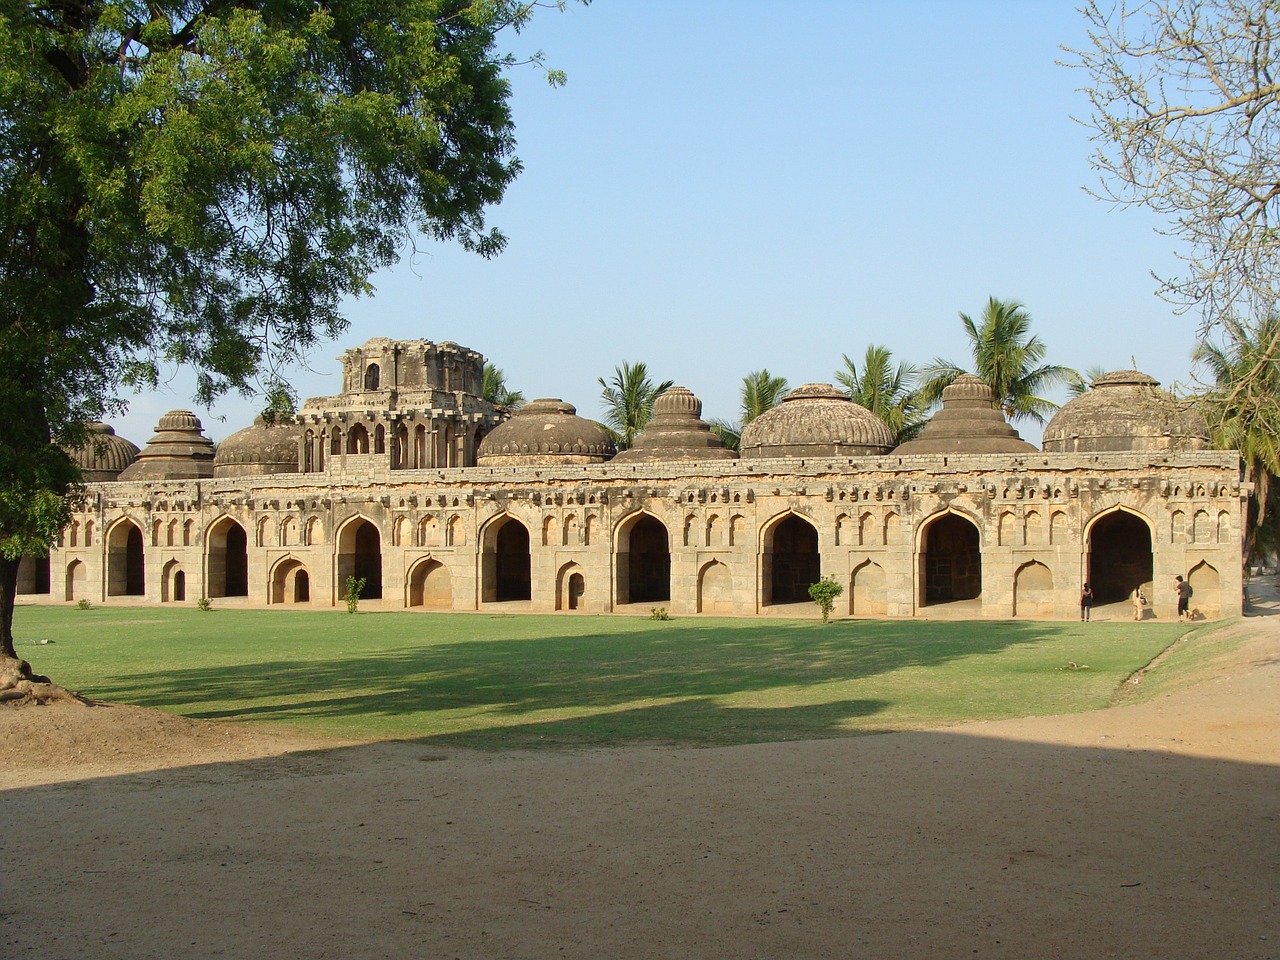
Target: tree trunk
(17,681)
(8,593)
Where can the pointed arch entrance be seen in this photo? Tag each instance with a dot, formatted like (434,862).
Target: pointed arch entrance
(126,562)
(505,563)
(1206,590)
(360,556)
(790,560)
(644,561)
(228,559)
(950,560)
(1120,557)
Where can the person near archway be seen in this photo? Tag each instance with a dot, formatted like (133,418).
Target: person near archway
(1139,604)
(1183,589)
(1086,602)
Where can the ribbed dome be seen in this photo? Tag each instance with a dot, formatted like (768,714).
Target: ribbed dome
(178,451)
(1125,410)
(546,431)
(676,432)
(969,422)
(816,420)
(104,455)
(259,450)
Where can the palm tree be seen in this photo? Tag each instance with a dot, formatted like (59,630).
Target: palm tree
(1007,358)
(628,400)
(1243,410)
(887,391)
(761,391)
(495,390)
(1079,383)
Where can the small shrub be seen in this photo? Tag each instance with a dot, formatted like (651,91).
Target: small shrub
(824,594)
(83,604)
(355,586)
(659,613)
(204,604)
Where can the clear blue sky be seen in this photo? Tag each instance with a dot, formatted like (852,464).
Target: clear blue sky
(726,185)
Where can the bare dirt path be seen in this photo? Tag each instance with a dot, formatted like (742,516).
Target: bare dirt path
(1150,830)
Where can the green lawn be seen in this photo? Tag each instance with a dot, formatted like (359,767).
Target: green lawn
(518,681)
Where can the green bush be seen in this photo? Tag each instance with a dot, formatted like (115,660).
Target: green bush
(824,594)
(355,586)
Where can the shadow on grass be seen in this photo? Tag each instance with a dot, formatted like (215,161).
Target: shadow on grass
(674,682)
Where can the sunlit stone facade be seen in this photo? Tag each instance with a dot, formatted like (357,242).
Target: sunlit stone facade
(381,485)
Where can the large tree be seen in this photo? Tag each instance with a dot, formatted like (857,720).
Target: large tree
(761,391)
(1242,406)
(1185,114)
(628,401)
(204,182)
(887,390)
(1008,358)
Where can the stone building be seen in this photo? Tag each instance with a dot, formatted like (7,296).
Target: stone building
(440,501)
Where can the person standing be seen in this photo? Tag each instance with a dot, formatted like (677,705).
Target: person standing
(1183,589)
(1139,604)
(1086,602)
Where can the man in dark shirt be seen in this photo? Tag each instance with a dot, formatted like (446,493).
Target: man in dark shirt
(1184,597)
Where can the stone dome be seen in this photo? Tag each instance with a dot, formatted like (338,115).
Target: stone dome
(1125,410)
(546,431)
(104,455)
(676,432)
(816,420)
(178,451)
(969,422)
(259,450)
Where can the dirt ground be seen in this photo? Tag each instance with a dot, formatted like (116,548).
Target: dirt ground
(1142,831)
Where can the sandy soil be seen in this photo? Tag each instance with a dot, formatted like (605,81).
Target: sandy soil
(1148,830)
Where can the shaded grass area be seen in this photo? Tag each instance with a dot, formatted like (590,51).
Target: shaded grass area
(525,680)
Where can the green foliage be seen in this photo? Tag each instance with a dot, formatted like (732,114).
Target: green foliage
(83,604)
(1007,358)
(206,183)
(887,391)
(761,392)
(513,681)
(628,401)
(824,594)
(659,613)
(204,604)
(496,391)
(355,587)
(1242,407)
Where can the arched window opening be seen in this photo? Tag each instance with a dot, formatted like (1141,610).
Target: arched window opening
(1120,559)
(951,563)
(791,561)
(644,562)
(372,377)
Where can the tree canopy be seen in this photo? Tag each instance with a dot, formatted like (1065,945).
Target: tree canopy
(1185,114)
(886,390)
(1007,357)
(761,391)
(496,391)
(628,401)
(204,182)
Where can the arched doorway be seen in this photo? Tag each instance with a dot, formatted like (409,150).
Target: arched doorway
(570,586)
(126,562)
(791,561)
(644,561)
(951,561)
(1119,557)
(505,561)
(228,559)
(430,585)
(290,582)
(360,556)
